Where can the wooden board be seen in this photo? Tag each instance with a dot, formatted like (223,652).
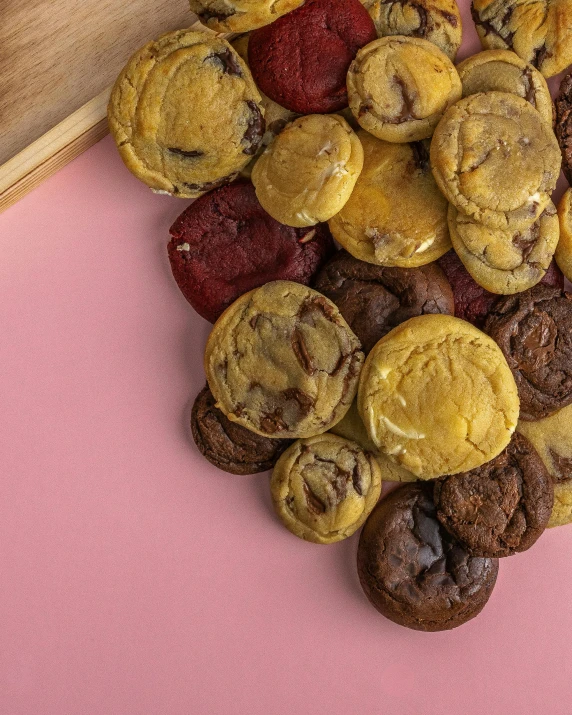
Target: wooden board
(58,59)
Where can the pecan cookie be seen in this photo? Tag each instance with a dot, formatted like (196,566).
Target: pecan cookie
(396,215)
(496,160)
(564,248)
(323,488)
(399,88)
(505,262)
(539,31)
(500,508)
(437,396)
(241,15)
(564,124)
(185,113)
(282,361)
(438,21)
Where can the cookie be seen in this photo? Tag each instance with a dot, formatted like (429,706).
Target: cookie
(229,446)
(301,60)
(564,124)
(399,88)
(552,438)
(534,331)
(185,114)
(438,21)
(323,488)
(240,15)
(472,302)
(505,262)
(225,244)
(505,71)
(396,215)
(437,396)
(309,171)
(564,248)
(413,572)
(282,361)
(375,299)
(540,32)
(500,508)
(496,160)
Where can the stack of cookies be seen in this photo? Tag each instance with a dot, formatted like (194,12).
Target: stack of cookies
(435,347)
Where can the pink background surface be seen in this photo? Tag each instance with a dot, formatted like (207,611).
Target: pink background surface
(137,579)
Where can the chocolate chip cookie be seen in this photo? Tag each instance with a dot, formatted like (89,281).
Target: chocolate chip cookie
(540,31)
(375,299)
(323,488)
(399,88)
(228,445)
(185,113)
(413,571)
(505,262)
(438,21)
(241,15)
(534,331)
(396,215)
(500,508)
(564,248)
(309,171)
(437,396)
(282,361)
(496,160)
(505,71)
(564,124)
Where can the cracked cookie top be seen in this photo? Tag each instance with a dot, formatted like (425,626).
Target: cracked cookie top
(564,124)
(323,488)
(185,113)
(240,15)
(283,362)
(437,396)
(399,88)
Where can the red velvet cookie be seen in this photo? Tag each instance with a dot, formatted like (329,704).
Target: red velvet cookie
(225,244)
(301,60)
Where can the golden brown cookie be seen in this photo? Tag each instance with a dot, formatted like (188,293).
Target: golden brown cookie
(399,88)
(505,262)
(185,113)
(282,361)
(309,171)
(495,159)
(437,396)
(241,15)
(564,248)
(323,488)
(396,215)
(505,71)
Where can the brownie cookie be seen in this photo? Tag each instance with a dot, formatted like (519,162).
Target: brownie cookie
(301,60)
(505,71)
(505,262)
(185,113)
(564,124)
(225,244)
(438,21)
(399,88)
(564,248)
(323,488)
(240,15)
(495,159)
(374,299)
(413,571)
(500,508)
(396,215)
(309,171)
(437,396)
(282,361)
(540,32)
(229,446)
(552,438)
(534,331)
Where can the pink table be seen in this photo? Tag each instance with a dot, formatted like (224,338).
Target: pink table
(135,578)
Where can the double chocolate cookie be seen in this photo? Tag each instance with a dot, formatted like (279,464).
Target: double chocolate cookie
(500,508)
(564,248)
(413,571)
(564,124)
(534,331)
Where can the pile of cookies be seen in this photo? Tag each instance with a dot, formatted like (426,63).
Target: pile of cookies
(435,347)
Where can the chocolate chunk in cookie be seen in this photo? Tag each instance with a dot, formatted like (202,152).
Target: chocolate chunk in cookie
(564,124)
(240,15)
(413,571)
